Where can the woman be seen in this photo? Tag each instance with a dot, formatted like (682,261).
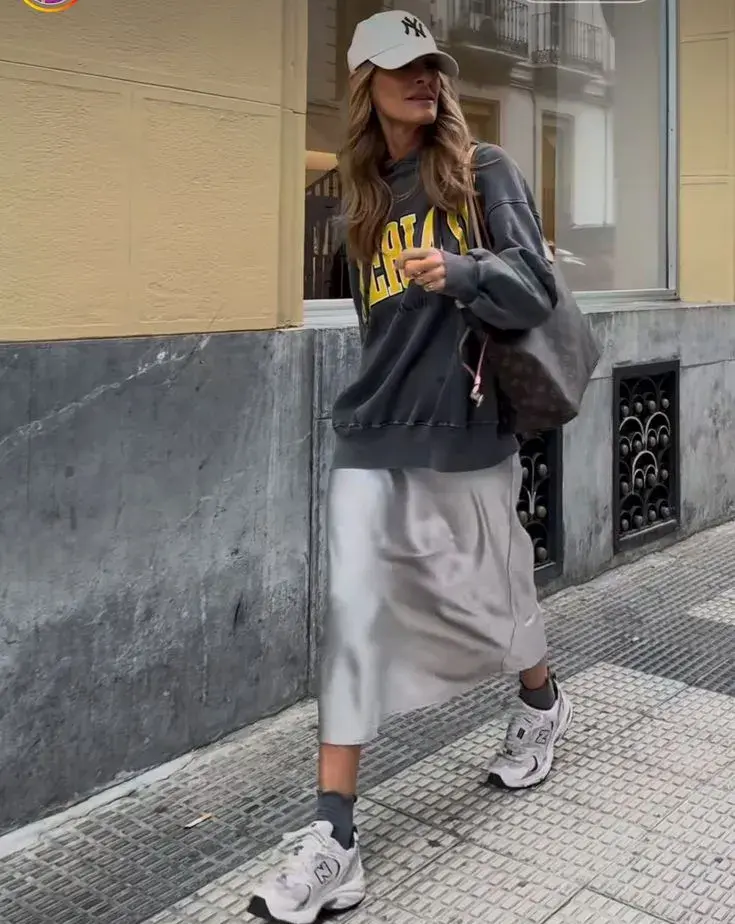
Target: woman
(431,573)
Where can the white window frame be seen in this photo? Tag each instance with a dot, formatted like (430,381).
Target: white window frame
(340,312)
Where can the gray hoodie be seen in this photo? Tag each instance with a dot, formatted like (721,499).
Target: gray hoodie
(410,404)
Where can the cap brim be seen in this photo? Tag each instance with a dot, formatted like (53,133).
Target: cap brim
(394,58)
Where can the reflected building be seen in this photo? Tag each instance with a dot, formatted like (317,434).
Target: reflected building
(545,81)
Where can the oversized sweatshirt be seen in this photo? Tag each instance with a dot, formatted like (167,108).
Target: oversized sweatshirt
(410,405)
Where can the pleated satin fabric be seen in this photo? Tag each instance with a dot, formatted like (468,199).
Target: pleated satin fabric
(431,591)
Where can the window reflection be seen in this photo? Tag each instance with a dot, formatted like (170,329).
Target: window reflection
(573,91)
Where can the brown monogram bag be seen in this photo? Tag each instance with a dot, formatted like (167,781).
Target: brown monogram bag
(542,373)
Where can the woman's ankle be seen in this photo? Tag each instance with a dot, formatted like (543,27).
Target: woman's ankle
(339,811)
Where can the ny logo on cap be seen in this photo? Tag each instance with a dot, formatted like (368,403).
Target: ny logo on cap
(413,23)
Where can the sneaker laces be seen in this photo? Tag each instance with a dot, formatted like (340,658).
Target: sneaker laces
(302,850)
(514,741)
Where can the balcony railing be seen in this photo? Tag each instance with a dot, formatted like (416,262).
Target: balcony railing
(496,25)
(568,42)
(321,239)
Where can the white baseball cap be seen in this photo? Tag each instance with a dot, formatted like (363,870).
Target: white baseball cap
(393,39)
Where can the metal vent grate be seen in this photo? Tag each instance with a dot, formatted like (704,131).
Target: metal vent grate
(646,464)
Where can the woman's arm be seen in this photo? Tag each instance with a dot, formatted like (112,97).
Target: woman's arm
(512,287)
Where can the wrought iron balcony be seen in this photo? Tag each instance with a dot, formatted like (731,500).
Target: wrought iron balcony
(492,25)
(569,42)
(323,276)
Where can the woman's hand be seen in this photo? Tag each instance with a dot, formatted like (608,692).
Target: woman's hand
(425,266)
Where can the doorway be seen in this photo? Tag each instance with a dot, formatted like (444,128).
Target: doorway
(556,174)
(483,119)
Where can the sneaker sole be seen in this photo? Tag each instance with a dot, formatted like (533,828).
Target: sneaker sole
(259,909)
(498,783)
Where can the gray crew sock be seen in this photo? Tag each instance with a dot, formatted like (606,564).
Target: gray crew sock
(544,698)
(339,811)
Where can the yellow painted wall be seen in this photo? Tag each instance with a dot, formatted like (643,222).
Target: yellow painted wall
(707,150)
(151,167)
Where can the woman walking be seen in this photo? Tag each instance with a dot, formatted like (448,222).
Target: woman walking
(431,582)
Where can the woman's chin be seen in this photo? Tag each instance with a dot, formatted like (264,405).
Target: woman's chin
(425,118)
(420,114)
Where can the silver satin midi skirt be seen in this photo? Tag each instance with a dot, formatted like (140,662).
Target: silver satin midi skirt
(431,591)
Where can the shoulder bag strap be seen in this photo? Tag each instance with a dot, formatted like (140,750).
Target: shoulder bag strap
(477,239)
(476,210)
(478,231)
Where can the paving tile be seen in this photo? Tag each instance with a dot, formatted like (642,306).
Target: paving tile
(393,847)
(684,883)
(665,658)
(632,793)
(450,783)
(572,842)
(590,908)
(708,715)
(449,786)
(654,742)
(444,787)
(621,687)
(471,884)
(707,817)
(720,609)
(384,912)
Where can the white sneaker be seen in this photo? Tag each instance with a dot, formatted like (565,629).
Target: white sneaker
(529,744)
(317,875)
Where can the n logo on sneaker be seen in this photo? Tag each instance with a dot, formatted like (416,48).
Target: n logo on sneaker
(327,870)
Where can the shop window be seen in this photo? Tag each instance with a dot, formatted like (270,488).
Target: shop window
(583,99)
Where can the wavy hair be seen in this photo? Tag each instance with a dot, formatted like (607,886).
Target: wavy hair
(445,172)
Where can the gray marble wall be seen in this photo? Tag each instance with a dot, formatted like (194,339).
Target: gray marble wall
(162,566)
(703,339)
(154,552)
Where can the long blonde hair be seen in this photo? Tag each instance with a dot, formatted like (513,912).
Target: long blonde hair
(367,200)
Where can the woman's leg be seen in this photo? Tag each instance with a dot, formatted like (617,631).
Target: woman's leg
(539,722)
(538,689)
(339,767)
(350,695)
(537,677)
(324,871)
(544,711)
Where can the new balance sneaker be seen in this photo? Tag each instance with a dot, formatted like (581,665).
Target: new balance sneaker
(528,755)
(317,876)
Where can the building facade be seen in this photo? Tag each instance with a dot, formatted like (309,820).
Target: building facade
(174,328)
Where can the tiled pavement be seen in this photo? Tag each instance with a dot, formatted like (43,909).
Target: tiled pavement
(635,826)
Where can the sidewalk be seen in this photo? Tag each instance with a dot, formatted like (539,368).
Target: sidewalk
(635,826)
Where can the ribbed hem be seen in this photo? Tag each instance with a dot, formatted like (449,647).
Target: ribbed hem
(442,449)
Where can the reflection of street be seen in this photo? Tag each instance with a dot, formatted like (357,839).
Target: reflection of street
(635,824)
(560,86)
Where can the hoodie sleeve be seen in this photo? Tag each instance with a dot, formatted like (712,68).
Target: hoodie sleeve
(356,289)
(512,287)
